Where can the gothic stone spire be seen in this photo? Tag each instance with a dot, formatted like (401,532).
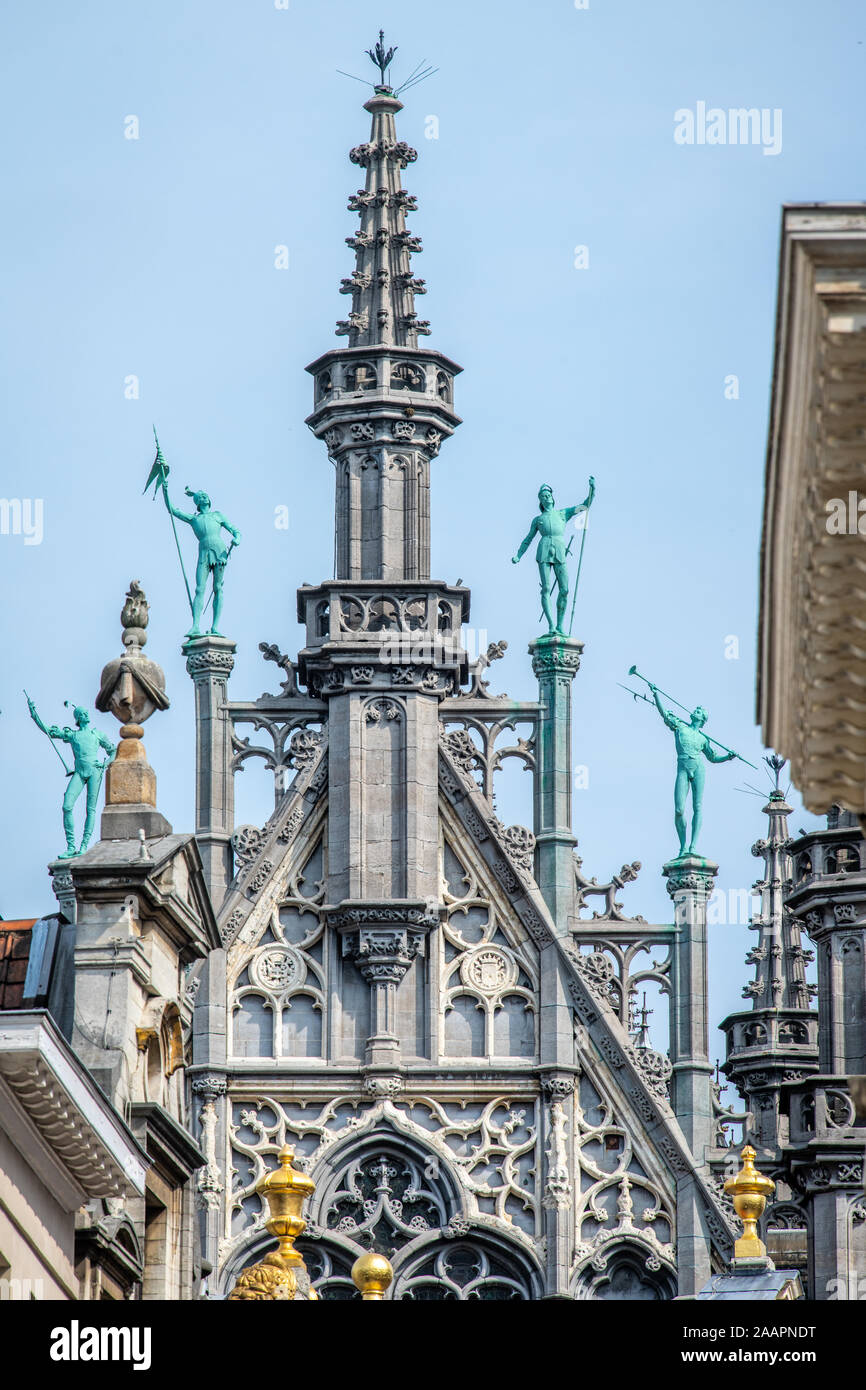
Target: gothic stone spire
(382,404)
(382,285)
(774,1043)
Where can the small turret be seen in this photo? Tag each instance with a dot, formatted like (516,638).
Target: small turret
(774,1044)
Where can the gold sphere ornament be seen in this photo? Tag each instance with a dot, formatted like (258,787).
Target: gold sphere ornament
(281,1275)
(750,1190)
(372,1274)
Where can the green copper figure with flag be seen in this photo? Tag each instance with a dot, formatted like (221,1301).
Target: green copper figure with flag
(88,770)
(551,552)
(207,526)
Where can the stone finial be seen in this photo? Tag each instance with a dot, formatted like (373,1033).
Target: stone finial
(750,1190)
(132,687)
(134,616)
(282,1275)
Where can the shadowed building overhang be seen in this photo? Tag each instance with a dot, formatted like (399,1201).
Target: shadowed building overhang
(812,631)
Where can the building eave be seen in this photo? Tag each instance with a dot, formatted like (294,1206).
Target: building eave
(812,661)
(66,1108)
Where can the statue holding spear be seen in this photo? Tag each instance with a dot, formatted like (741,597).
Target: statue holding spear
(551,552)
(207,527)
(88,771)
(692,746)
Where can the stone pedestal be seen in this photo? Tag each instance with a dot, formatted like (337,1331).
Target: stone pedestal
(555,661)
(689,883)
(210,661)
(130,792)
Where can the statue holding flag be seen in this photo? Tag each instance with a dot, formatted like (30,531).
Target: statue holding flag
(88,770)
(207,527)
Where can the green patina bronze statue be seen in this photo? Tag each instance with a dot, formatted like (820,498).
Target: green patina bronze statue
(207,527)
(551,552)
(88,771)
(692,745)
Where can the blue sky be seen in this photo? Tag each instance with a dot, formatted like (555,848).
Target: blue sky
(155,258)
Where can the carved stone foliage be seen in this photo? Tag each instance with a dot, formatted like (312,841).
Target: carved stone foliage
(480,688)
(618,1203)
(247,840)
(473,1163)
(277,988)
(204,664)
(587,888)
(488,988)
(289,687)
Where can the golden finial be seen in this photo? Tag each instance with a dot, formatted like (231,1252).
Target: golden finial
(372,1274)
(281,1274)
(750,1190)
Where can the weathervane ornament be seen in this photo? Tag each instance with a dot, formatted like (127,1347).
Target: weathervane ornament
(88,770)
(381,56)
(551,553)
(692,745)
(207,526)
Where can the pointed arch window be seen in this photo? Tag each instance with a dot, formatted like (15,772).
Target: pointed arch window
(406,376)
(842,859)
(361,376)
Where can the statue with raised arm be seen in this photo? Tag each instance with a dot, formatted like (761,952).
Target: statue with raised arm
(207,527)
(551,552)
(692,746)
(88,771)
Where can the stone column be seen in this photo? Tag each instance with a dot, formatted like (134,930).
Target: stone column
(557,1115)
(555,661)
(383,940)
(689,883)
(209,660)
(209,1108)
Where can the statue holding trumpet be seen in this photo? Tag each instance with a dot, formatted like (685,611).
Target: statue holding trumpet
(692,746)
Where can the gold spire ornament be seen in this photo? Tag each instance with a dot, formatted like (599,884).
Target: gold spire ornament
(372,1274)
(281,1275)
(750,1190)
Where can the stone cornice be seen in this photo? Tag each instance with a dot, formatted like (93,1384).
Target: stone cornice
(65,1106)
(812,663)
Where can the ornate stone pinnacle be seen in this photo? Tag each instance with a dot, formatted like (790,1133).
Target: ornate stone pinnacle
(132,687)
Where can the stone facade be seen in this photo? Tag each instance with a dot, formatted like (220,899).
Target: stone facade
(435,1010)
(408,991)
